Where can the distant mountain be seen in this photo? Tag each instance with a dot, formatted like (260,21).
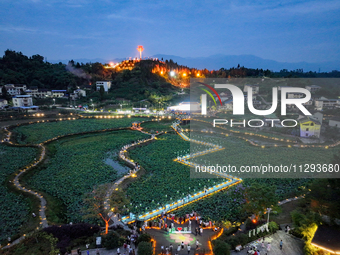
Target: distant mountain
(216,62)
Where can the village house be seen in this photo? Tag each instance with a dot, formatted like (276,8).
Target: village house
(24,102)
(255,88)
(313,88)
(324,103)
(3,103)
(309,127)
(105,84)
(334,123)
(15,89)
(38,93)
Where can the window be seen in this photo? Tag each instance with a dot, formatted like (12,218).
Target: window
(307,129)
(306,134)
(312,124)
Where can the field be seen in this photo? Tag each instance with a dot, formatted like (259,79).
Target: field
(227,205)
(76,165)
(239,152)
(165,180)
(14,209)
(40,132)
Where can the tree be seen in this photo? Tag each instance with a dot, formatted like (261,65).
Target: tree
(258,198)
(145,248)
(101,92)
(5,95)
(221,248)
(95,201)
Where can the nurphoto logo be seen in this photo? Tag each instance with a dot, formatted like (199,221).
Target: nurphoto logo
(239,102)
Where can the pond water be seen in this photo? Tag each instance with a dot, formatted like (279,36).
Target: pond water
(115,165)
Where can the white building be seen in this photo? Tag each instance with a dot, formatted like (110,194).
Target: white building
(255,88)
(334,123)
(185,107)
(41,93)
(58,93)
(15,89)
(324,103)
(3,103)
(106,85)
(80,93)
(313,88)
(318,116)
(295,95)
(24,102)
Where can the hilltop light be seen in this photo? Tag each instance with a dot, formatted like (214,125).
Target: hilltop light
(198,74)
(140,49)
(172,73)
(184,74)
(161,72)
(111,63)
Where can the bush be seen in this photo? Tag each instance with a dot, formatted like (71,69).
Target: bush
(112,240)
(66,233)
(273,227)
(221,248)
(145,248)
(143,238)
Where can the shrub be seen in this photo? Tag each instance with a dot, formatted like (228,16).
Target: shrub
(273,226)
(144,238)
(221,248)
(112,240)
(145,248)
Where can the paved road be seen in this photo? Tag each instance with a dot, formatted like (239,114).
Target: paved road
(291,245)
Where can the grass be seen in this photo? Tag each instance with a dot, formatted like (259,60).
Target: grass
(75,165)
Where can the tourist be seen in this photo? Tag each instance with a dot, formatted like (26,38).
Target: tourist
(197,244)
(97,252)
(125,246)
(189,248)
(162,249)
(133,252)
(178,248)
(167,250)
(281,243)
(268,247)
(118,251)
(182,245)
(170,248)
(79,251)
(201,231)
(196,231)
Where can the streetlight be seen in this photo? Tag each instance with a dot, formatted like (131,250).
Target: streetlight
(268,210)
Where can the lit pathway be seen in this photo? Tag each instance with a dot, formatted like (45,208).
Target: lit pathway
(42,215)
(190,198)
(291,245)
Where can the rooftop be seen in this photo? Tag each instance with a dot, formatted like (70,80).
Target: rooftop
(305,119)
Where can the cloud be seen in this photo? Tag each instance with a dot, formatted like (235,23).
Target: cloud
(28,30)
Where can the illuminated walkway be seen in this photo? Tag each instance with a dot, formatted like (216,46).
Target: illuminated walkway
(231,180)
